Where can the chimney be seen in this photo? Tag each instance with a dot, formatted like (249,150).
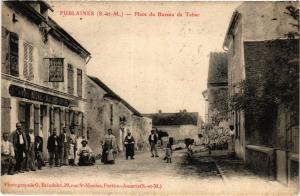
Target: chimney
(159,111)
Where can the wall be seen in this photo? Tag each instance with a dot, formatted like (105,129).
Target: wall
(236,74)
(96,108)
(99,119)
(180,132)
(267,18)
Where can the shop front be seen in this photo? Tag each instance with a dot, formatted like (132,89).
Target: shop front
(41,111)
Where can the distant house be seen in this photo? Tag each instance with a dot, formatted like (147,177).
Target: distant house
(107,110)
(179,125)
(217,88)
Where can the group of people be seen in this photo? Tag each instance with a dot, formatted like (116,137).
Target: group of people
(64,148)
(23,153)
(153,140)
(110,148)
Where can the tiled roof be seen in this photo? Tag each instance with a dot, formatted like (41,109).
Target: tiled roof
(180,118)
(113,95)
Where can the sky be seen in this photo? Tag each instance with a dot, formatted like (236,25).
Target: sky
(153,62)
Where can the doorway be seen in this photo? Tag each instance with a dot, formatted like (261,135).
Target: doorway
(24,115)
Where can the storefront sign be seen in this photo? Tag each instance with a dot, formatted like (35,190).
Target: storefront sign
(21,92)
(56,70)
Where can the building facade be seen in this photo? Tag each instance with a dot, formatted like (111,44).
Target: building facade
(217,88)
(249,54)
(35,51)
(106,110)
(179,125)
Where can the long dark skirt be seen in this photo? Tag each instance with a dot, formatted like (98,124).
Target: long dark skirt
(104,156)
(86,160)
(129,150)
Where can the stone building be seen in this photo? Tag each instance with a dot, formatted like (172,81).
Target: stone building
(179,125)
(43,72)
(249,54)
(217,88)
(107,110)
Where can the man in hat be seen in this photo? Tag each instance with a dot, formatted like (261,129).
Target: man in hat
(64,147)
(85,154)
(153,142)
(53,146)
(19,141)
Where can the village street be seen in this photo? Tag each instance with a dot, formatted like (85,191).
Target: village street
(144,174)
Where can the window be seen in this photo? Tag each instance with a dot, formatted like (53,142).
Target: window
(111,114)
(79,82)
(28,61)
(10,52)
(70,79)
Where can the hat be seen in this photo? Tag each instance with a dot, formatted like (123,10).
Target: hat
(84,141)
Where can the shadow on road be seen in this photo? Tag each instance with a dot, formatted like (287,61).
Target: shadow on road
(198,167)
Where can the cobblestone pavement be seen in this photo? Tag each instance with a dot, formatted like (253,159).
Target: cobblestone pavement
(143,175)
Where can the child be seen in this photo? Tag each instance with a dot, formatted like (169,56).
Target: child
(71,154)
(38,148)
(169,153)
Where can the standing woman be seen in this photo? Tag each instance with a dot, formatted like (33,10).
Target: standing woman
(109,148)
(129,145)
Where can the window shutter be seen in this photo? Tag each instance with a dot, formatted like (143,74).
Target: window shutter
(14,54)
(25,68)
(28,61)
(5,50)
(79,82)
(70,79)
(36,119)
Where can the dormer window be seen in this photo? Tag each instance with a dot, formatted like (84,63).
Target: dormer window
(44,11)
(41,7)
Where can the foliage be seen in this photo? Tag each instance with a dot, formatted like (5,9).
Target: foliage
(277,83)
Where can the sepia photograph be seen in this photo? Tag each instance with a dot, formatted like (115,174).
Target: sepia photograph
(150,97)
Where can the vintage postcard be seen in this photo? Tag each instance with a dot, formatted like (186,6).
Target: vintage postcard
(149,98)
